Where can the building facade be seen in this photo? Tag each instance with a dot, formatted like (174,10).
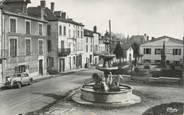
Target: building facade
(23,41)
(96,48)
(88,41)
(151,51)
(65,40)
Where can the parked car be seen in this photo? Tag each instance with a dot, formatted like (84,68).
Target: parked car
(18,80)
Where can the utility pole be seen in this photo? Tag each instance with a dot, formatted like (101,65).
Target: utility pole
(182,80)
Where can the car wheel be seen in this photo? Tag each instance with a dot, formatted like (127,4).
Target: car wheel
(19,85)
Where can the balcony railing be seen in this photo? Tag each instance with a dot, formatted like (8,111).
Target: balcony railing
(106,41)
(64,52)
(96,52)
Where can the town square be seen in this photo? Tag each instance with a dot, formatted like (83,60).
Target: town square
(89,57)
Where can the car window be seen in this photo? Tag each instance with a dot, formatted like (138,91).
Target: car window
(17,75)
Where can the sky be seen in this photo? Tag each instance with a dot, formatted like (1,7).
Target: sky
(129,17)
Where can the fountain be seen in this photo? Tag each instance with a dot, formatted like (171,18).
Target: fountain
(106,89)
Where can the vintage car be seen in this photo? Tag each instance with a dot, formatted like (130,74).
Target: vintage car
(18,79)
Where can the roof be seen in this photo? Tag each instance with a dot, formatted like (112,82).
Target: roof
(165,37)
(4,4)
(8,1)
(16,12)
(50,16)
(88,33)
(23,16)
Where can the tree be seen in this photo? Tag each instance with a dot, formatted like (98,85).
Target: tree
(135,48)
(118,51)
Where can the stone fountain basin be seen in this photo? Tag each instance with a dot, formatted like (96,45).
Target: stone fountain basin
(107,56)
(107,69)
(88,94)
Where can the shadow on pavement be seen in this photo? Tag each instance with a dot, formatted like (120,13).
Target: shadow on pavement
(54,96)
(65,97)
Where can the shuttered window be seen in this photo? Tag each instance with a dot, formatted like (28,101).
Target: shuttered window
(28,27)
(40,29)
(13,47)
(13,25)
(28,47)
(40,43)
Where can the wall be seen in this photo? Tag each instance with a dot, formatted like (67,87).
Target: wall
(169,46)
(20,35)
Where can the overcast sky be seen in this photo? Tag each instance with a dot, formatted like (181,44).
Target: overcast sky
(153,17)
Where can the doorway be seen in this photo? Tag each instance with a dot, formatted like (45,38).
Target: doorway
(61,65)
(41,67)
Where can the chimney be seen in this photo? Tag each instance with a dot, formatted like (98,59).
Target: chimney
(95,29)
(63,15)
(52,5)
(147,38)
(57,13)
(43,3)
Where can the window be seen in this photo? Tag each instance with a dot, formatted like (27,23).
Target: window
(91,48)
(86,48)
(86,39)
(147,50)
(13,25)
(74,33)
(50,62)
(40,29)
(78,33)
(64,31)
(74,60)
(49,45)
(40,46)
(176,51)
(60,30)
(69,33)
(48,30)
(21,68)
(28,27)
(81,34)
(157,61)
(13,47)
(28,47)
(62,44)
(158,51)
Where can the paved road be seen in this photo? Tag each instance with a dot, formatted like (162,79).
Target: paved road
(151,95)
(40,94)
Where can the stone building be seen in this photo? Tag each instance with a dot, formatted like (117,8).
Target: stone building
(88,46)
(96,48)
(65,39)
(23,40)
